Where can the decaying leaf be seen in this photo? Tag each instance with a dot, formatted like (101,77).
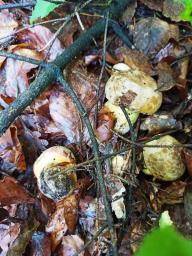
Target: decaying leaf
(166,77)
(87,214)
(57,227)
(70,205)
(151,34)
(137,232)
(16,71)
(129,12)
(188,202)
(188,160)
(26,231)
(7,25)
(8,234)
(106,122)
(173,9)
(161,122)
(173,194)
(11,192)
(154,5)
(40,38)
(11,150)
(134,59)
(63,111)
(71,245)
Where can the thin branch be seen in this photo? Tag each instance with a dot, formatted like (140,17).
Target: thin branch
(17,5)
(95,236)
(22,58)
(8,115)
(95,147)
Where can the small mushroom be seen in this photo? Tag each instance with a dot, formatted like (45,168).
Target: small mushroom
(164,163)
(49,169)
(121,125)
(133,89)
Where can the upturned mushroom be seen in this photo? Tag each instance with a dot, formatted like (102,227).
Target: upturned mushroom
(50,170)
(133,89)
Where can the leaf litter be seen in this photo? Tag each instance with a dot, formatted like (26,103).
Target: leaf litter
(161,58)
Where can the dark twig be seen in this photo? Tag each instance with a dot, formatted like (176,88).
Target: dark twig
(17,5)
(95,236)
(100,177)
(15,109)
(120,33)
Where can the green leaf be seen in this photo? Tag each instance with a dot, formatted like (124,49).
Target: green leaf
(165,242)
(186,15)
(42,9)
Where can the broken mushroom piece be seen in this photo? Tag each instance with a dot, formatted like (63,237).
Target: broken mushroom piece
(164,163)
(49,169)
(133,89)
(121,125)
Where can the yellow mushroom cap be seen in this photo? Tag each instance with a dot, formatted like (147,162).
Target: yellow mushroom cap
(133,89)
(54,156)
(164,163)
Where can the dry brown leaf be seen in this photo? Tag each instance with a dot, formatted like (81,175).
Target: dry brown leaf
(188,160)
(56,227)
(11,150)
(106,123)
(63,111)
(70,205)
(151,34)
(137,233)
(8,234)
(11,192)
(173,9)
(166,77)
(7,25)
(161,122)
(129,12)
(173,194)
(71,245)
(87,208)
(153,4)
(16,71)
(40,38)
(134,59)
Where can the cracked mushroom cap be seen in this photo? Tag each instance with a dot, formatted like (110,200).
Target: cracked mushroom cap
(49,169)
(133,89)
(161,162)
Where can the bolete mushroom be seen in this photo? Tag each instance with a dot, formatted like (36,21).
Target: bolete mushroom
(49,169)
(164,163)
(133,89)
(121,124)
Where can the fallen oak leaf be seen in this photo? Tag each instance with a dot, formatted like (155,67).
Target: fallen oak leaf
(71,245)
(11,150)
(11,192)
(173,194)
(20,243)
(8,234)
(151,34)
